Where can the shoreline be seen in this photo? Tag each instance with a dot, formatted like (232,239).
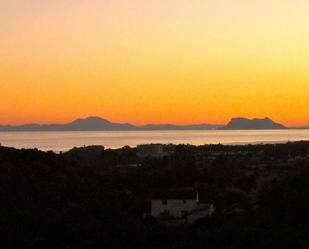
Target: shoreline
(241,144)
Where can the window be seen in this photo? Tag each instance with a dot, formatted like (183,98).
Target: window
(164,202)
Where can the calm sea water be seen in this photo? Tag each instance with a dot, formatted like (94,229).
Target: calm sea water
(62,141)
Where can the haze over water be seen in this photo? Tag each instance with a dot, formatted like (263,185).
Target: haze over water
(62,141)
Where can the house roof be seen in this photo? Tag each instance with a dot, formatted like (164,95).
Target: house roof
(174,194)
(181,194)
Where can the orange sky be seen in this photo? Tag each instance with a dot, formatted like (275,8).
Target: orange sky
(156,61)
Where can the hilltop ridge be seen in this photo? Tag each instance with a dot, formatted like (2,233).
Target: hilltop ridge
(241,123)
(95,123)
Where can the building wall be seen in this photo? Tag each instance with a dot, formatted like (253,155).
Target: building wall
(175,207)
(201,214)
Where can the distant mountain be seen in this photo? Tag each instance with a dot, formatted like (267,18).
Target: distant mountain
(87,124)
(252,124)
(97,124)
(100,124)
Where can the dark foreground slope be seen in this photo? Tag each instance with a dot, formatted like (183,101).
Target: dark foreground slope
(261,194)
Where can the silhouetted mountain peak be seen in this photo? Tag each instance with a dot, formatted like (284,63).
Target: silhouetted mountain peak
(90,120)
(241,123)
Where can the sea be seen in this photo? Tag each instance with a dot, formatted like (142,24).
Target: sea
(64,141)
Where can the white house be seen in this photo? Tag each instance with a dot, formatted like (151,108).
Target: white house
(182,205)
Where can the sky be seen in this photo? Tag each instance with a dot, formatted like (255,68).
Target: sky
(156,61)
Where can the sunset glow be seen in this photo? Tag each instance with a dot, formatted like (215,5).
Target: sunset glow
(156,61)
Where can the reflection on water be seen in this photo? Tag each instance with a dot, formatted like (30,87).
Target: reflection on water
(61,141)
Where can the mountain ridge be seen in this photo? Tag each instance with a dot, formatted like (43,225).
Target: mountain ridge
(241,123)
(95,123)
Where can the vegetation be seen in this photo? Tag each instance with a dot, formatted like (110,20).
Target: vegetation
(95,197)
